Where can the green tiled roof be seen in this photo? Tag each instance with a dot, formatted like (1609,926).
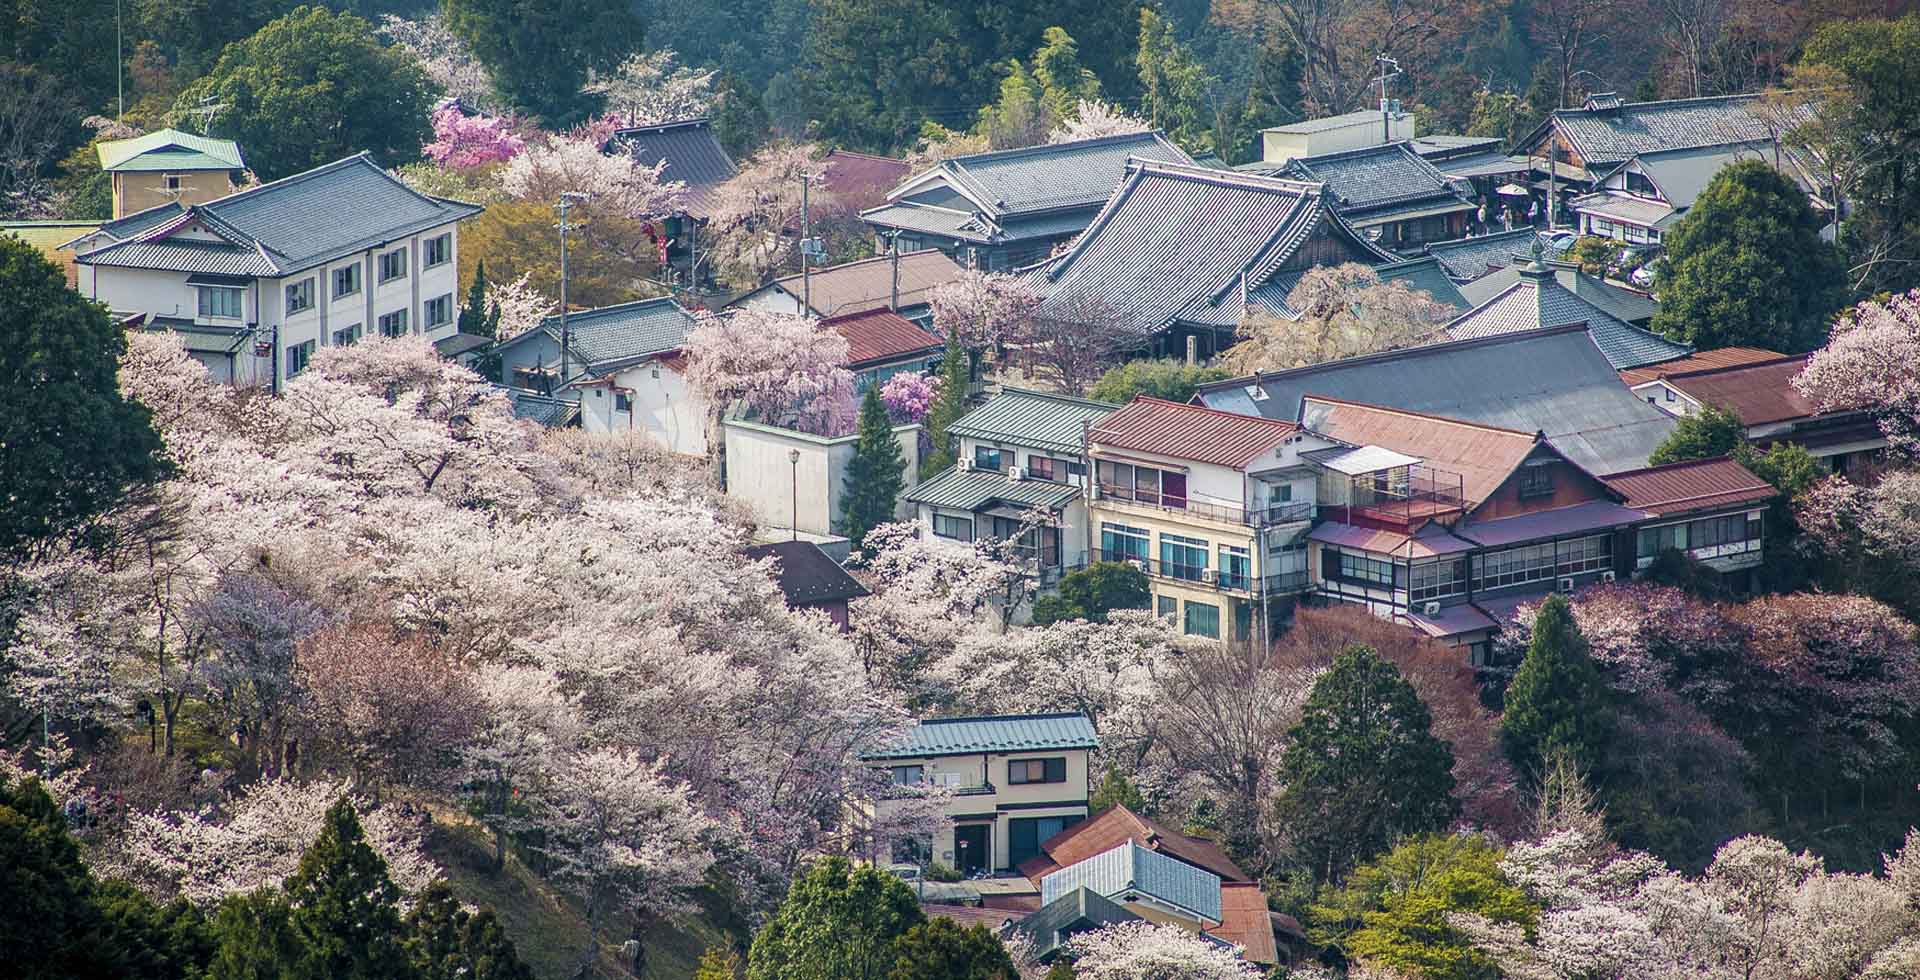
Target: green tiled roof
(1038,419)
(958,489)
(1002,733)
(170,150)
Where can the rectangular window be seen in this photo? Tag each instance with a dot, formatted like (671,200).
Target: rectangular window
(908,775)
(1023,771)
(1536,480)
(1182,557)
(346,336)
(1356,567)
(299,296)
(986,458)
(1236,567)
(393,265)
(439,250)
(1044,468)
(1586,555)
(298,355)
(1077,469)
(1438,579)
(957,528)
(394,324)
(439,311)
(1166,607)
(1202,620)
(622,402)
(222,301)
(346,280)
(1120,542)
(173,182)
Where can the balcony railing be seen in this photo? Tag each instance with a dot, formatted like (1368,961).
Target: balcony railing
(1277,513)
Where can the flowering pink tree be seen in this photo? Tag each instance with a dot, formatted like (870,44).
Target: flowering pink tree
(786,369)
(1093,118)
(521,306)
(756,213)
(461,141)
(1149,951)
(987,309)
(651,87)
(1872,362)
(575,163)
(908,396)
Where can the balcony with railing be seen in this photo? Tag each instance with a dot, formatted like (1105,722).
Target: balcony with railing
(1399,498)
(1276,513)
(1222,580)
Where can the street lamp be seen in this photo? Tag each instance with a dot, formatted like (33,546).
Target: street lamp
(793,460)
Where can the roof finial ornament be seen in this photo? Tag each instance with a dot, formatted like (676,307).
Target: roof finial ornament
(1538,250)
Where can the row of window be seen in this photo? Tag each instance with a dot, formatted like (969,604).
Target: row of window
(1163,488)
(1038,467)
(1041,543)
(1440,578)
(1708,532)
(1196,619)
(1020,772)
(1181,556)
(346,279)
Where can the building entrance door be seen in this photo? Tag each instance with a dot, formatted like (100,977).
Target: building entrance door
(973,844)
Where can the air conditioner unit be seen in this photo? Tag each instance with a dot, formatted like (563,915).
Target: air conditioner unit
(1607,576)
(1210,575)
(1138,563)
(966,464)
(1430,609)
(1566,585)
(1017,473)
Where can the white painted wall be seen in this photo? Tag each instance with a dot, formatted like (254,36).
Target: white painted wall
(771,299)
(663,406)
(760,473)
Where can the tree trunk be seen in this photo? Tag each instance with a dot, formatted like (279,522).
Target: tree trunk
(592,952)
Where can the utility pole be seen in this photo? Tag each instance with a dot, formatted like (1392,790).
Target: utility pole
(806,247)
(1383,63)
(566,337)
(893,249)
(119,62)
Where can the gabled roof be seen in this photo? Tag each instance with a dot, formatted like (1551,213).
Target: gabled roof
(856,175)
(1111,827)
(539,409)
(1426,275)
(1536,299)
(1719,357)
(880,336)
(993,733)
(276,229)
(1191,432)
(1693,485)
(1053,176)
(1757,394)
(1039,419)
(1178,244)
(1483,455)
(806,574)
(1627,305)
(1607,131)
(1552,380)
(867,284)
(1375,183)
(1681,174)
(612,336)
(1246,922)
(1468,259)
(970,490)
(170,150)
(1131,870)
(1073,912)
(692,152)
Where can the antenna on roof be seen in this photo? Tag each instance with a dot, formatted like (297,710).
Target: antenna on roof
(1388,107)
(206,111)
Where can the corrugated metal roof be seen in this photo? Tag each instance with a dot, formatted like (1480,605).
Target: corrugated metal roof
(1619,302)
(1378,180)
(1055,175)
(1607,136)
(878,336)
(1538,300)
(1552,380)
(995,734)
(1244,922)
(1468,259)
(1355,460)
(170,149)
(1132,869)
(1190,432)
(851,175)
(1719,357)
(1581,518)
(611,334)
(868,283)
(1174,244)
(693,154)
(1432,540)
(1452,620)
(1481,165)
(1038,419)
(1755,393)
(1621,206)
(1073,912)
(805,573)
(539,409)
(1117,824)
(930,220)
(970,490)
(1698,484)
(1483,455)
(1682,174)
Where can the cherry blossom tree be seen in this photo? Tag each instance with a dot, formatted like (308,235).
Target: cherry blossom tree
(1344,311)
(1872,361)
(523,728)
(1093,118)
(443,56)
(521,307)
(755,215)
(908,396)
(393,709)
(256,623)
(651,87)
(1151,951)
(575,163)
(988,309)
(788,370)
(463,142)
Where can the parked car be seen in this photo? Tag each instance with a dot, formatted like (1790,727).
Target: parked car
(905,872)
(1644,276)
(1561,240)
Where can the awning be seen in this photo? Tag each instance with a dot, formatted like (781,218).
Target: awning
(216,279)
(1482,165)
(1360,460)
(1514,190)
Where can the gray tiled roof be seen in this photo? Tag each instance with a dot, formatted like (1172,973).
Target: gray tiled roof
(929,220)
(1553,380)
(540,409)
(1055,175)
(183,255)
(609,335)
(993,733)
(1377,180)
(1039,419)
(1538,300)
(1608,136)
(970,490)
(1175,244)
(1622,303)
(1427,275)
(693,154)
(1682,174)
(1468,259)
(1130,868)
(297,222)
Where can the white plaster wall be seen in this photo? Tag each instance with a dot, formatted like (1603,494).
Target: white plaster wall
(760,473)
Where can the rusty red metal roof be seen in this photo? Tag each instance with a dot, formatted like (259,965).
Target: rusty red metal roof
(1244,922)
(1483,455)
(1755,393)
(1699,484)
(1204,435)
(878,336)
(858,179)
(1706,360)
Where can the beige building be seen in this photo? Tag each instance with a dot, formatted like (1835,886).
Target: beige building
(1014,781)
(169,167)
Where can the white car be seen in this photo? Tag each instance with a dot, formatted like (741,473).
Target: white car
(1643,276)
(905,872)
(1561,240)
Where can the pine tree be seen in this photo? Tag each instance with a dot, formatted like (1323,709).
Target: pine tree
(447,942)
(345,908)
(1557,700)
(1116,790)
(876,473)
(1362,767)
(255,938)
(955,375)
(473,316)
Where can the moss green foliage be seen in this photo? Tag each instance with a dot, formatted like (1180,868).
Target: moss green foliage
(539,50)
(1174,380)
(1392,912)
(313,87)
(740,121)
(71,447)
(1745,266)
(1362,768)
(941,949)
(1594,254)
(450,943)
(955,374)
(1864,68)
(838,922)
(943,872)
(1173,85)
(875,474)
(1705,434)
(718,964)
(1090,593)
(1557,699)
(1116,789)
(87,190)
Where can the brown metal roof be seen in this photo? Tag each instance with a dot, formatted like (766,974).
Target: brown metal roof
(972,915)
(1116,826)
(1706,360)
(878,336)
(868,283)
(1483,455)
(1699,484)
(1204,435)
(1245,923)
(1755,393)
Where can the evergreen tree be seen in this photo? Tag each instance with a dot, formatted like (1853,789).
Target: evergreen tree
(448,942)
(1173,86)
(1063,78)
(955,375)
(1705,434)
(1395,912)
(71,448)
(1090,593)
(539,50)
(1557,700)
(1115,790)
(255,939)
(838,922)
(474,318)
(1745,266)
(740,120)
(876,473)
(941,949)
(345,909)
(1362,767)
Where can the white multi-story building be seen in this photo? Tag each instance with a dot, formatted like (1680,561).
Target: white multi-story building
(256,282)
